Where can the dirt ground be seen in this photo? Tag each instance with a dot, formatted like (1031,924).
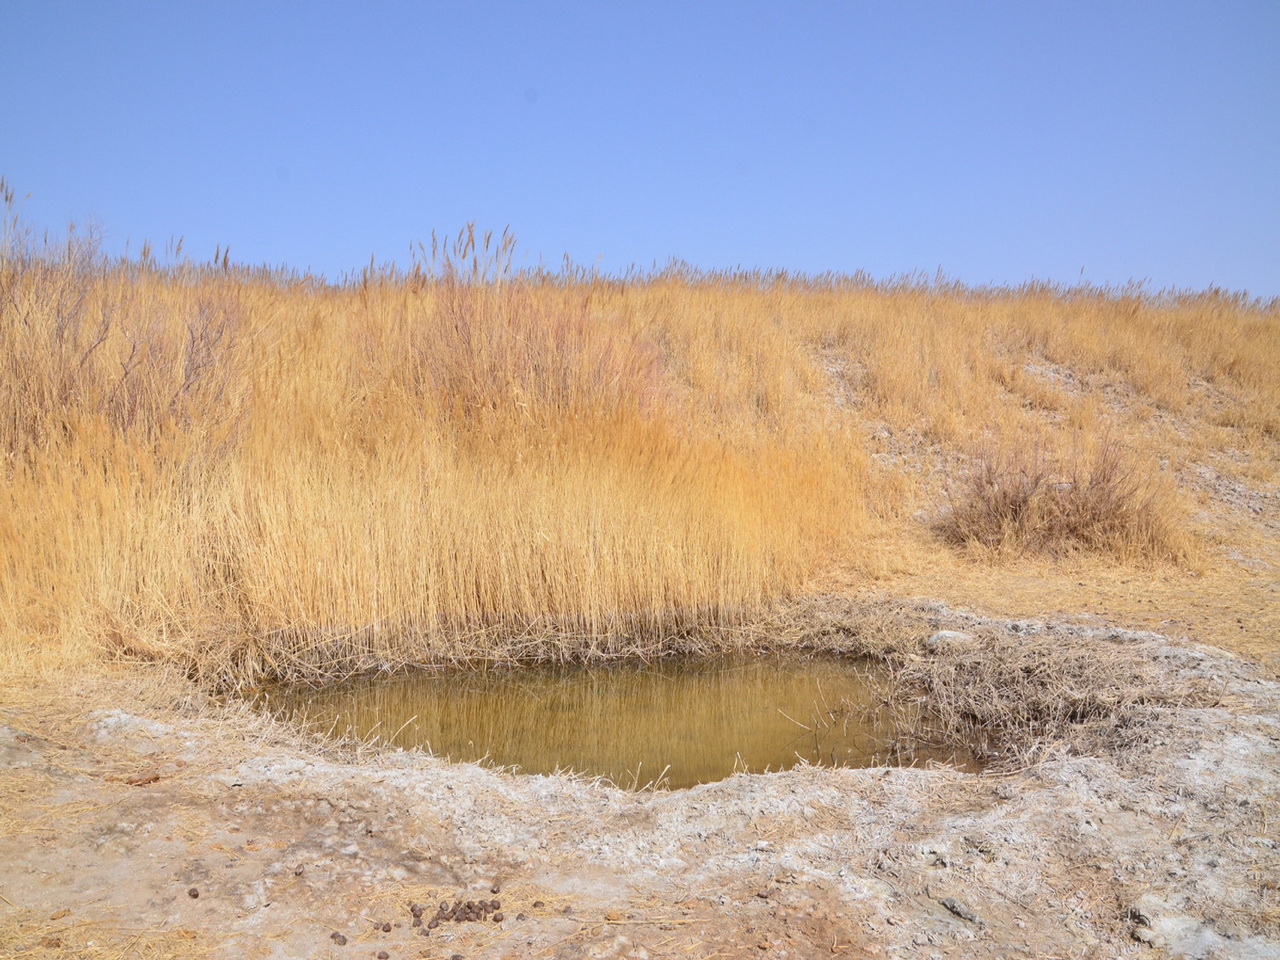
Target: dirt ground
(161,827)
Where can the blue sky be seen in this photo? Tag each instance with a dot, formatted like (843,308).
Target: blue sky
(998,142)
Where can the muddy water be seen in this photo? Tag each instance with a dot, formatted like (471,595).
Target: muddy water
(677,722)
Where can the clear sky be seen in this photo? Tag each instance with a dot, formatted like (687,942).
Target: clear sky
(998,142)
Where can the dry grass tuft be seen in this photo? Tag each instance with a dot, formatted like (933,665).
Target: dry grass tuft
(1014,502)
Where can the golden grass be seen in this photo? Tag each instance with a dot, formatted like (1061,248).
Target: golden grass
(1013,502)
(250,473)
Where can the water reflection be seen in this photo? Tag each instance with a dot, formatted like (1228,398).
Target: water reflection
(685,721)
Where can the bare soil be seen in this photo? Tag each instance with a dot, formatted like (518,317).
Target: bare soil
(164,826)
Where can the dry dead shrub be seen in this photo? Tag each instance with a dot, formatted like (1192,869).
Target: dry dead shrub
(1023,693)
(1002,696)
(1015,502)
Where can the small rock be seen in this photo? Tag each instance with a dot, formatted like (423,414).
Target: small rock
(193,893)
(383,955)
(338,938)
(960,910)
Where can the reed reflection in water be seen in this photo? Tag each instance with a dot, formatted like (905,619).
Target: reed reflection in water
(699,721)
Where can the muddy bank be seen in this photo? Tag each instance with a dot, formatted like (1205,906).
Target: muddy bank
(141,830)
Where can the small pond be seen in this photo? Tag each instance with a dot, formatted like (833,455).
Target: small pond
(678,722)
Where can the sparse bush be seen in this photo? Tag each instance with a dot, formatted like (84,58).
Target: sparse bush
(1014,501)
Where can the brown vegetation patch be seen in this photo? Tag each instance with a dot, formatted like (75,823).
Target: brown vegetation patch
(1014,501)
(1031,694)
(1018,689)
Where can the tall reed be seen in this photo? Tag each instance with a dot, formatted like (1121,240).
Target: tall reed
(251,472)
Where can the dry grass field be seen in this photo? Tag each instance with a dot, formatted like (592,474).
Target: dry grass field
(215,475)
(250,473)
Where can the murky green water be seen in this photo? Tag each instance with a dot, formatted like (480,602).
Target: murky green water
(684,722)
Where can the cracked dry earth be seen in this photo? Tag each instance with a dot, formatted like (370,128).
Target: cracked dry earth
(133,831)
